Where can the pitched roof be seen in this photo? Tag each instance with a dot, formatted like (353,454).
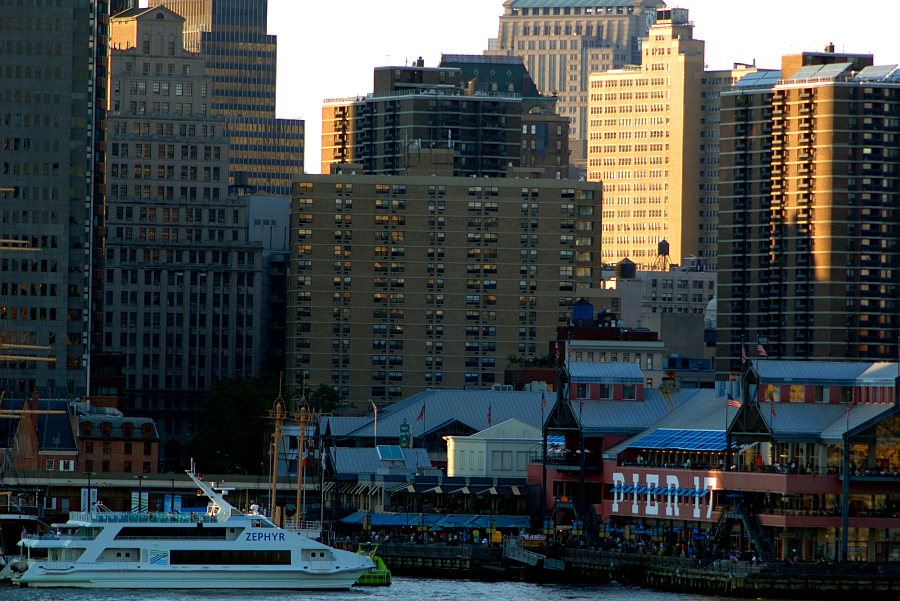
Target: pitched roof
(511,428)
(822,422)
(826,373)
(604,372)
(467,407)
(632,417)
(366,460)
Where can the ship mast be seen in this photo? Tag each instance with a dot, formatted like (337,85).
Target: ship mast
(301,415)
(277,414)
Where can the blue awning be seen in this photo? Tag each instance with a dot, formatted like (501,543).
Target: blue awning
(512,522)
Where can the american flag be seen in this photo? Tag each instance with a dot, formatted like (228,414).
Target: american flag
(581,406)
(743,354)
(733,402)
(543,402)
(760,351)
(556,345)
(421,413)
(489,416)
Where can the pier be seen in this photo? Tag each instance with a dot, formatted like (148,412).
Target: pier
(686,575)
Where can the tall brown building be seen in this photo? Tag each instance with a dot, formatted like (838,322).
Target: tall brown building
(417,109)
(241,60)
(563,41)
(545,134)
(402,283)
(654,143)
(808,231)
(483,114)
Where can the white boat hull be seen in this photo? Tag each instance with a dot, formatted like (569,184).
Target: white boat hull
(214,577)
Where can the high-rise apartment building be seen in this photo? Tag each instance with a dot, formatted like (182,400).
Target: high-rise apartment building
(241,60)
(398,284)
(482,115)
(184,279)
(53,74)
(545,134)
(563,41)
(808,232)
(654,142)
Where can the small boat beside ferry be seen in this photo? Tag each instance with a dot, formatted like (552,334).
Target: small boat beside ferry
(221,549)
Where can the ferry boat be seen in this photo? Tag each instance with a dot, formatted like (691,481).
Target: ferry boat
(222,549)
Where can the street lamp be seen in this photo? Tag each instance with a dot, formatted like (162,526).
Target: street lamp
(140,502)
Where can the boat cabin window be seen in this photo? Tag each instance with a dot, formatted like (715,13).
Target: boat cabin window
(262,523)
(229,557)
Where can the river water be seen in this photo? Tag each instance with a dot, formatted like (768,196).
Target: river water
(410,589)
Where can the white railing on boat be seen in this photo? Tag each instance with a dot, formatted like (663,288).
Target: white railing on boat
(302,525)
(158,518)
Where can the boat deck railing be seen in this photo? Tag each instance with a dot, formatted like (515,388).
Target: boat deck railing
(142,518)
(302,525)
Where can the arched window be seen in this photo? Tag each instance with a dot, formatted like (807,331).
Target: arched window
(106,429)
(86,428)
(127,430)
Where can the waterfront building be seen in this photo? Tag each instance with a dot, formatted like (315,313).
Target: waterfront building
(808,235)
(563,42)
(502,450)
(52,187)
(653,140)
(796,455)
(241,60)
(108,441)
(398,284)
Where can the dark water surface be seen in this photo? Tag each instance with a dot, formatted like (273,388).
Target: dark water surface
(403,589)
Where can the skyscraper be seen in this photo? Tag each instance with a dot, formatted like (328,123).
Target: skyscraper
(53,116)
(563,41)
(241,59)
(808,223)
(653,141)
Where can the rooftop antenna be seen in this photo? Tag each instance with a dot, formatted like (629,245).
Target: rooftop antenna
(387,59)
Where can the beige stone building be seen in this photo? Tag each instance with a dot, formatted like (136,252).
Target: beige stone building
(809,241)
(399,284)
(564,41)
(183,279)
(241,59)
(653,142)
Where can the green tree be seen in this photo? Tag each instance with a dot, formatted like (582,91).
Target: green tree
(324,397)
(233,438)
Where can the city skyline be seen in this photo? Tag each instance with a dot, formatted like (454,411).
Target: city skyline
(306,78)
